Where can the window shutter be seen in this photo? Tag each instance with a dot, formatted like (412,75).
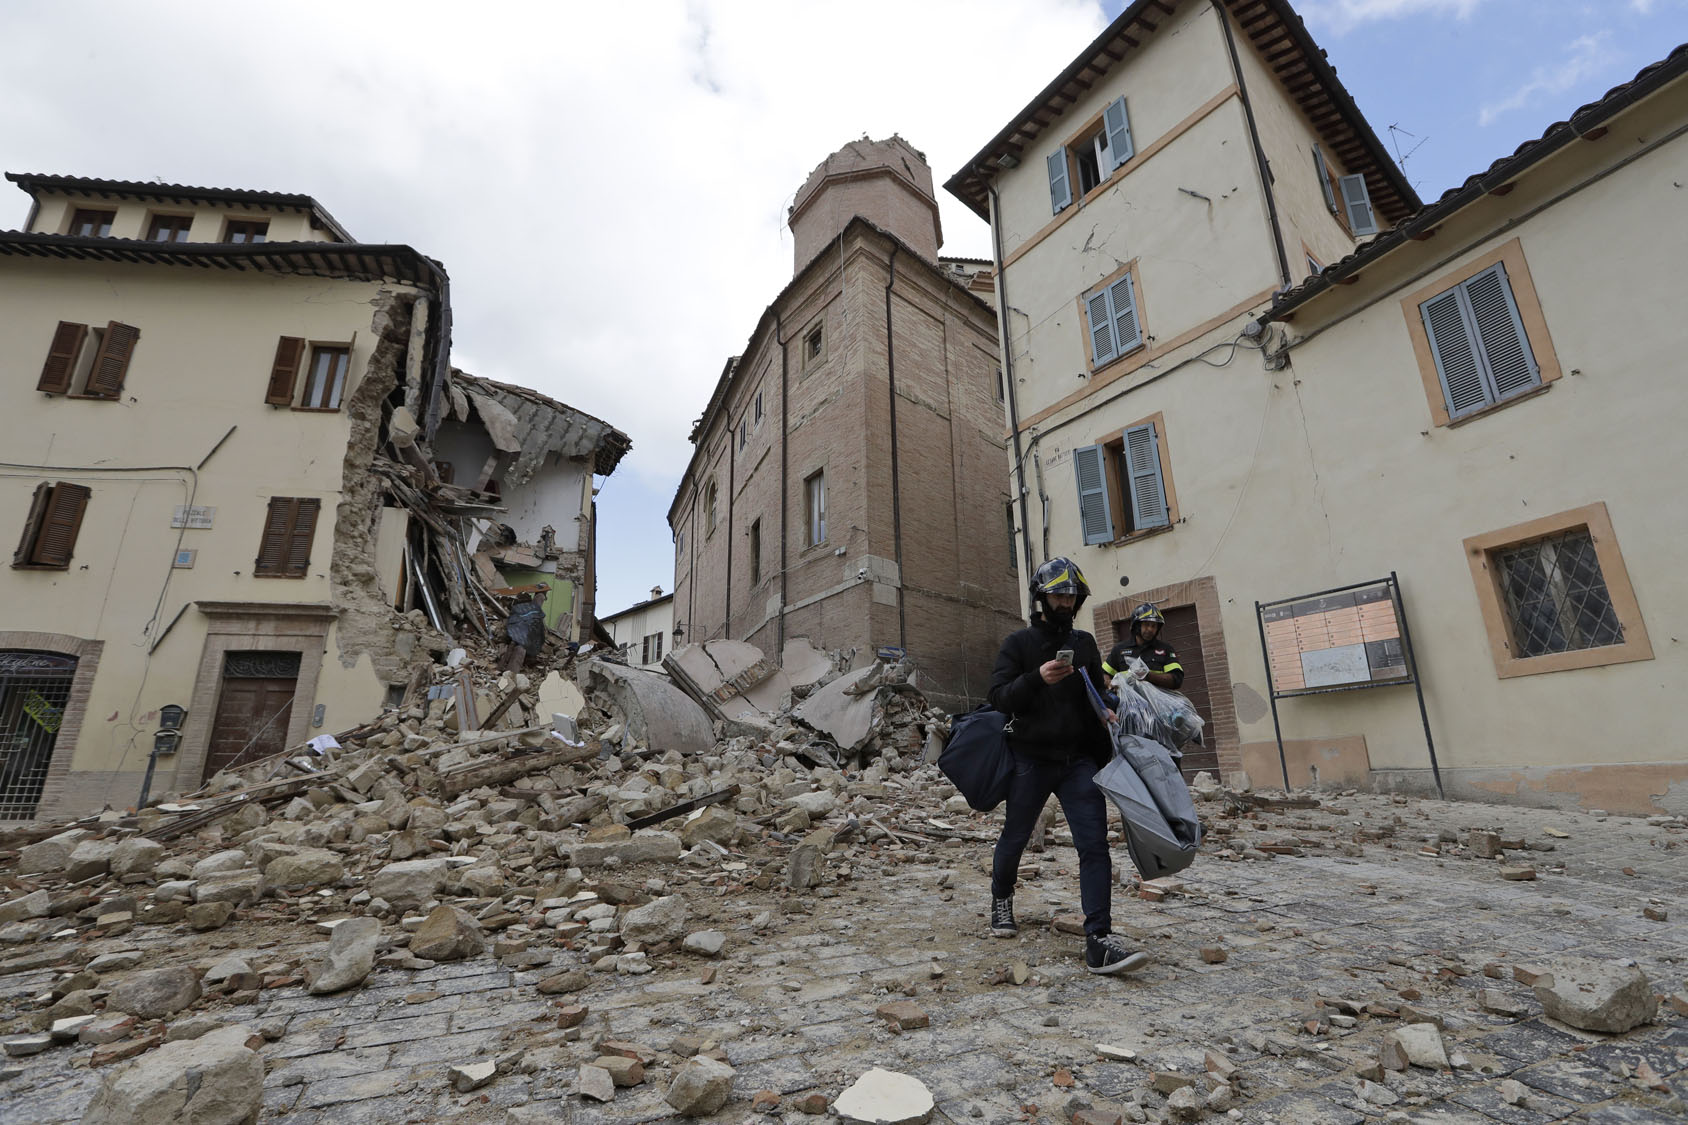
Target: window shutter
(272,548)
(106,378)
(1143,470)
(284,374)
(66,349)
(1322,171)
(299,539)
(1357,201)
(1099,309)
(60,525)
(1454,352)
(32,525)
(1127,332)
(1060,183)
(1118,125)
(1506,349)
(1095,517)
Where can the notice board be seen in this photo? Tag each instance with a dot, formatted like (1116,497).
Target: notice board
(1342,639)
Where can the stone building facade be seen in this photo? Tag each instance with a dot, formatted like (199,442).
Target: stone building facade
(847,482)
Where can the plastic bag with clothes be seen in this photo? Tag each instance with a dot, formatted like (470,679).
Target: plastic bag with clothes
(1151,712)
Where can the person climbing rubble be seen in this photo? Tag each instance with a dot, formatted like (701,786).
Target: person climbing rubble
(1058,742)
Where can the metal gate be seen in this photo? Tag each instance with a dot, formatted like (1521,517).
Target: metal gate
(34,692)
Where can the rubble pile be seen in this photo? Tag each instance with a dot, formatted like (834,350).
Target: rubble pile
(591,828)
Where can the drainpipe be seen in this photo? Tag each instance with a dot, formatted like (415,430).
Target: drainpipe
(896,484)
(1261,167)
(727,529)
(785,463)
(1008,374)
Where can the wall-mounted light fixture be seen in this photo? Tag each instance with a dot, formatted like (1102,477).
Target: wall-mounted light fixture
(170,716)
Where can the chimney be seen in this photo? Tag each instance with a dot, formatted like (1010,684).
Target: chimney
(886,182)
(656,592)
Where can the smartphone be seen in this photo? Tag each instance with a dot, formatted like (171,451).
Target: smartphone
(1065,656)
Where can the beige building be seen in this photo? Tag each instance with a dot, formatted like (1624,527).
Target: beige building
(846,484)
(217,397)
(644,631)
(1199,162)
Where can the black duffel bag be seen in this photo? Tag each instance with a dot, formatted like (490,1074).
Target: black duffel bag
(976,758)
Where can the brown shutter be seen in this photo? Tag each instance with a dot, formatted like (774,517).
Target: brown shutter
(59,527)
(299,541)
(62,357)
(284,375)
(32,526)
(106,378)
(272,548)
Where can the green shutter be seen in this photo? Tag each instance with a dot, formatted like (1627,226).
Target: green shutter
(1095,515)
(1143,471)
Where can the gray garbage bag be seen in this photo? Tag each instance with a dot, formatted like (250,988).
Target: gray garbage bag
(1162,831)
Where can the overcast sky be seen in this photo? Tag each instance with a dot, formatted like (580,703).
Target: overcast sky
(607,184)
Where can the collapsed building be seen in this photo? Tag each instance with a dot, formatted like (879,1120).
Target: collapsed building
(254,500)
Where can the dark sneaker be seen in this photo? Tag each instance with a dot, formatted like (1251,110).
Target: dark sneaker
(1108,954)
(1002,918)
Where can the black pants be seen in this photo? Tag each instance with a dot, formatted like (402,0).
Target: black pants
(1087,815)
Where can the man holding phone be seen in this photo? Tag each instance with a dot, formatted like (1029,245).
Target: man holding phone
(1059,740)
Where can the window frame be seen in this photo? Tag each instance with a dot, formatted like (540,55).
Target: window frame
(231,223)
(60,502)
(79,215)
(107,361)
(157,220)
(1095,138)
(758,408)
(814,516)
(1127,273)
(711,501)
(289,509)
(814,345)
(314,349)
(1509,254)
(1491,599)
(1116,480)
(754,548)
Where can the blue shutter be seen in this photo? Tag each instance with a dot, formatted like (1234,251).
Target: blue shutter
(1356,200)
(1118,127)
(1505,348)
(1099,310)
(1095,516)
(1060,184)
(1128,333)
(1454,350)
(1322,170)
(1143,471)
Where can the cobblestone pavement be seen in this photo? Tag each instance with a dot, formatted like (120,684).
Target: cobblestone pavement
(1365,916)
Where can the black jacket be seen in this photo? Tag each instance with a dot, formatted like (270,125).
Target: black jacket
(1157,656)
(1050,721)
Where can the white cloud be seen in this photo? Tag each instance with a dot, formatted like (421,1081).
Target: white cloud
(606,184)
(1585,57)
(1339,17)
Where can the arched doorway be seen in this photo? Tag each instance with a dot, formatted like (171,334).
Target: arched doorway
(34,696)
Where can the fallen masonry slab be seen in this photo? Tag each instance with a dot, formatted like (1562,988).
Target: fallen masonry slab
(658,714)
(700,1087)
(1596,995)
(213,1080)
(885,1097)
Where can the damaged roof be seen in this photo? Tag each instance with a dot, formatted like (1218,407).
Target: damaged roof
(35,182)
(523,421)
(1285,46)
(1588,122)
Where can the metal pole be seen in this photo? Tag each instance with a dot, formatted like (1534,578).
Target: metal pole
(1418,682)
(1272,694)
(146,782)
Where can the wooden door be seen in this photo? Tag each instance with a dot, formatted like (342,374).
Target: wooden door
(1183,633)
(252,718)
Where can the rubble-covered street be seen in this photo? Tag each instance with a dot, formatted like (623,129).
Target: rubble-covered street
(440,923)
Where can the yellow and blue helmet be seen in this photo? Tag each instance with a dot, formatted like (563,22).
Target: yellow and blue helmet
(1060,575)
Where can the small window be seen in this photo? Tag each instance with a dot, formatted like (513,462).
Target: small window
(1111,319)
(758,409)
(680,544)
(709,508)
(1555,594)
(55,520)
(755,551)
(1001,386)
(1090,159)
(814,506)
(814,345)
(86,223)
(284,551)
(1313,264)
(652,651)
(743,431)
(327,380)
(1122,484)
(1346,197)
(169,228)
(1012,556)
(88,362)
(1477,340)
(246,230)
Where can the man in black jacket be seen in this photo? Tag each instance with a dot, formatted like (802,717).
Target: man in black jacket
(1059,741)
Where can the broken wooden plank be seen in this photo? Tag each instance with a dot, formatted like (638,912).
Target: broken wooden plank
(684,807)
(509,769)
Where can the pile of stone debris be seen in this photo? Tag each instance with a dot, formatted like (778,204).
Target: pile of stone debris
(501,816)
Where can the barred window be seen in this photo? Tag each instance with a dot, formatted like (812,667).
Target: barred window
(1556,597)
